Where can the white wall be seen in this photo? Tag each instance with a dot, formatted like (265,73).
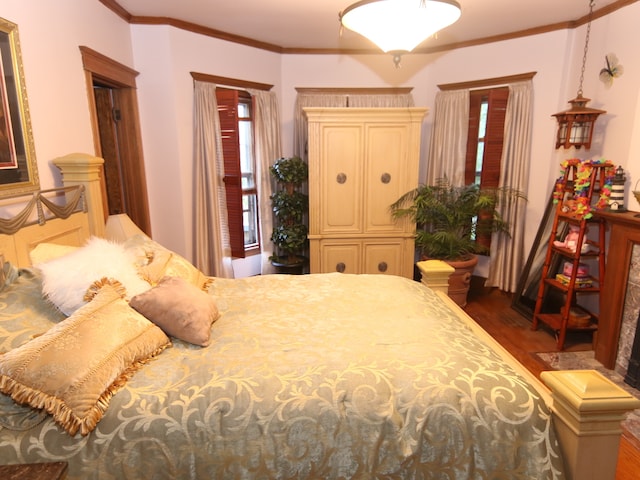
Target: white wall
(165,57)
(50,33)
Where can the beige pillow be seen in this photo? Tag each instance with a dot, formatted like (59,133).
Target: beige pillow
(180,309)
(73,369)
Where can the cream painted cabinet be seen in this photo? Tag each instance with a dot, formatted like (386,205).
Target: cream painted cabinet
(361,160)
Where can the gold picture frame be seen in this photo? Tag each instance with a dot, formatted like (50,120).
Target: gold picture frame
(18,166)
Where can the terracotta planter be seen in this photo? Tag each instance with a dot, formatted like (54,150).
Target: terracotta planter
(460,280)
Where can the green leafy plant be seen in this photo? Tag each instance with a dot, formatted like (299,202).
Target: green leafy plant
(292,171)
(290,206)
(450,220)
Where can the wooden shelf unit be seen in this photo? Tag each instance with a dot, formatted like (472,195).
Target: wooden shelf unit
(557,256)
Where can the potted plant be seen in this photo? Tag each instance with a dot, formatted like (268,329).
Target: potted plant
(453,225)
(290,206)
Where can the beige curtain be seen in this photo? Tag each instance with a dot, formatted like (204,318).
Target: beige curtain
(448,147)
(267,150)
(507,254)
(211,232)
(300,133)
(380,100)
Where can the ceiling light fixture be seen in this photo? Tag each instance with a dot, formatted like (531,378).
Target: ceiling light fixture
(575,126)
(399,26)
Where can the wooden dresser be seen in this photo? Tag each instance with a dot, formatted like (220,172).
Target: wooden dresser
(361,160)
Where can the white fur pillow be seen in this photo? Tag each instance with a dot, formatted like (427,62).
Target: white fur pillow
(65,280)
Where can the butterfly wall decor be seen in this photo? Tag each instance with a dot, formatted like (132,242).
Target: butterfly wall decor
(612,69)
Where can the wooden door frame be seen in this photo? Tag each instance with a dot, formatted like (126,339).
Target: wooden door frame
(122,78)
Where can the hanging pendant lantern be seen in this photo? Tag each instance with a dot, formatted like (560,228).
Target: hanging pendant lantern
(575,126)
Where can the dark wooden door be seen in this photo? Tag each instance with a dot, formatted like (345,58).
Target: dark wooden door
(108,116)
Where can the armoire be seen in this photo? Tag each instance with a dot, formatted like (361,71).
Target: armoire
(361,160)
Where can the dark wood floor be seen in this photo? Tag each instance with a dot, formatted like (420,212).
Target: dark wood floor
(491,309)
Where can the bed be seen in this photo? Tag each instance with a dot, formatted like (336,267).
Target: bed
(313,376)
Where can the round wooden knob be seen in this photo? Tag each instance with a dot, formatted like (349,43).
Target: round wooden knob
(341,267)
(385,178)
(341,178)
(382,267)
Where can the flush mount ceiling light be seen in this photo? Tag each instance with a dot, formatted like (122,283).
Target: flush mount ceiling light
(399,26)
(575,126)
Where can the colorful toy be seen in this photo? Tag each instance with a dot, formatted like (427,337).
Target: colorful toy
(570,242)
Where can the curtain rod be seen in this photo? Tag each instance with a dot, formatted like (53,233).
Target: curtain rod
(230,82)
(487,82)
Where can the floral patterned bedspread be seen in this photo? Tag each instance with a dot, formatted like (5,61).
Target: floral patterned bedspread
(315,376)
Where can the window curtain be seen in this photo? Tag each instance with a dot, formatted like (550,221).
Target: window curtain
(507,254)
(211,231)
(300,133)
(448,147)
(380,100)
(268,149)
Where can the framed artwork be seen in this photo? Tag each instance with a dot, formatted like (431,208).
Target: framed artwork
(18,166)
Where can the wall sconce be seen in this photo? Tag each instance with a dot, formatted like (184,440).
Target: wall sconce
(575,126)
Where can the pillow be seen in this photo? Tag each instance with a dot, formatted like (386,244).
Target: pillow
(180,309)
(155,261)
(43,252)
(73,369)
(66,279)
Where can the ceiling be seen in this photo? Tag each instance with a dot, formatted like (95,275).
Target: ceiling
(292,26)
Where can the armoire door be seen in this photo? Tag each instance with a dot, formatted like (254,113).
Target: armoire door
(341,179)
(386,169)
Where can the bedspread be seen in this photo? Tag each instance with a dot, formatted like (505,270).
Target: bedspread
(313,376)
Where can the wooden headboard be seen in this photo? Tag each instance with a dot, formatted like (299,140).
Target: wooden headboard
(67,215)
(60,217)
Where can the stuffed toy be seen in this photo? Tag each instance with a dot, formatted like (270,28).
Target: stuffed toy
(570,242)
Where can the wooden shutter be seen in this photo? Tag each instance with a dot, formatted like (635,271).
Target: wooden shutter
(475,100)
(494,137)
(493,142)
(228,112)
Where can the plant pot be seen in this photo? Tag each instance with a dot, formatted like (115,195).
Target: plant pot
(460,280)
(282,265)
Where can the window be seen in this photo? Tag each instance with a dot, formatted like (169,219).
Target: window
(236,124)
(487,109)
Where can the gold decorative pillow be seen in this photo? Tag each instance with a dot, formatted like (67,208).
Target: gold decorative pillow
(73,369)
(155,261)
(180,309)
